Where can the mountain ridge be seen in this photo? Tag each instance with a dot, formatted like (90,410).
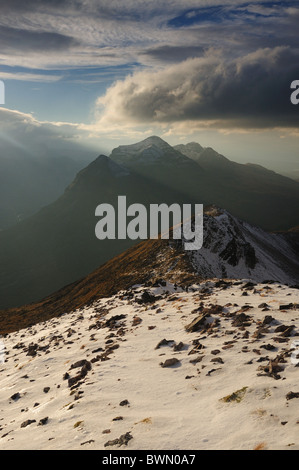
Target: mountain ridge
(227,243)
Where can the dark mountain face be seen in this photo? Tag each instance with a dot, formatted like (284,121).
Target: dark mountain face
(58,246)
(250,191)
(29,182)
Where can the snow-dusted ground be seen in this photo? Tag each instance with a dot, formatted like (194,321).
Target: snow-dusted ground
(131,395)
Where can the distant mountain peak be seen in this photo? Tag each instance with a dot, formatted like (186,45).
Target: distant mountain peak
(195,146)
(150,150)
(202,155)
(154,140)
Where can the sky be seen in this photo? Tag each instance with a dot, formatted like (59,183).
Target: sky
(110,72)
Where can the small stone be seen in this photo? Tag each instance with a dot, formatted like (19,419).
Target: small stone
(124,403)
(15,396)
(164,342)
(291,395)
(43,421)
(136,321)
(27,422)
(122,440)
(170,362)
(217,359)
(179,346)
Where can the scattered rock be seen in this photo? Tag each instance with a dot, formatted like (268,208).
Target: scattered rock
(196,324)
(27,423)
(268,347)
(267,319)
(178,347)
(16,396)
(264,305)
(217,359)
(147,298)
(113,322)
(241,320)
(136,321)
(32,350)
(285,331)
(122,440)
(170,362)
(291,395)
(288,306)
(164,342)
(81,363)
(211,371)
(86,367)
(272,369)
(118,418)
(43,421)
(90,441)
(124,403)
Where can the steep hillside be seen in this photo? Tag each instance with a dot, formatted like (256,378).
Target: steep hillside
(58,245)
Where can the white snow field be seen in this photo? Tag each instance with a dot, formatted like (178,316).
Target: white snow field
(99,378)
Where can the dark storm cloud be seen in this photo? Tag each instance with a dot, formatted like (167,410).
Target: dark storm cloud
(255,88)
(24,40)
(174,53)
(22,5)
(251,91)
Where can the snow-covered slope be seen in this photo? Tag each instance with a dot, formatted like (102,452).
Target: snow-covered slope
(135,371)
(235,249)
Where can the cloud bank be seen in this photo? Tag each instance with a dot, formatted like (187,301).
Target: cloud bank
(252,91)
(186,64)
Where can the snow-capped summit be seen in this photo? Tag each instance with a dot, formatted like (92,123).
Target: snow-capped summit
(150,150)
